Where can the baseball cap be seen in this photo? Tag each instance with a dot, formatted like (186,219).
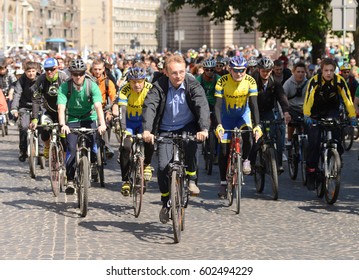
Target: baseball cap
(50,62)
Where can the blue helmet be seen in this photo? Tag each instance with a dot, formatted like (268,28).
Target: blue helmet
(238,61)
(136,73)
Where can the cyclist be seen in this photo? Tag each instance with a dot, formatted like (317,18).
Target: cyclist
(108,92)
(110,71)
(130,100)
(295,88)
(22,103)
(345,72)
(236,98)
(7,78)
(79,105)
(252,65)
(44,97)
(325,92)
(176,103)
(270,93)
(221,66)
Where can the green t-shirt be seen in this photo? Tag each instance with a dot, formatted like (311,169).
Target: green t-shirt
(78,105)
(209,88)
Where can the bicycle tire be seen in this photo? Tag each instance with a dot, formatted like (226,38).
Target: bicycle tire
(137,186)
(101,165)
(6,129)
(303,160)
(273,171)
(210,152)
(332,182)
(32,156)
(238,183)
(62,172)
(229,177)
(259,172)
(293,159)
(3,129)
(54,169)
(176,211)
(83,185)
(347,137)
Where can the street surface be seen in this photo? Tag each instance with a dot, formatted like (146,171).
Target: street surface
(37,226)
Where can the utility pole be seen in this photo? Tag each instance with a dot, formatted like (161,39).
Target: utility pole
(5,25)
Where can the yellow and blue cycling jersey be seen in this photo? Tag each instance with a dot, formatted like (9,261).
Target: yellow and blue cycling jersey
(134,104)
(235,108)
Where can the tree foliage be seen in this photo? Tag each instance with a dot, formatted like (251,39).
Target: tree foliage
(297,20)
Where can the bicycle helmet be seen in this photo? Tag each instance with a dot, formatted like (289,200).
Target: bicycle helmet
(209,63)
(252,61)
(108,60)
(238,61)
(265,63)
(136,73)
(77,65)
(345,66)
(220,61)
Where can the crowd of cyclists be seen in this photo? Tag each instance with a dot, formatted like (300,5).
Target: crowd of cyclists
(155,94)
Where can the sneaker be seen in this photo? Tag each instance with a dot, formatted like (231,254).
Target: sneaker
(22,156)
(193,189)
(164,214)
(109,152)
(70,189)
(247,167)
(284,157)
(125,190)
(280,169)
(46,152)
(147,172)
(222,193)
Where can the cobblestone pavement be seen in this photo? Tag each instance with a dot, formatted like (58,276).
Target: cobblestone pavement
(36,225)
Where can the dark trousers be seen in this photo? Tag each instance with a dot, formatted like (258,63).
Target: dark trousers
(71,142)
(165,156)
(24,121)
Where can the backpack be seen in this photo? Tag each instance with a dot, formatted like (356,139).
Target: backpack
(88,80)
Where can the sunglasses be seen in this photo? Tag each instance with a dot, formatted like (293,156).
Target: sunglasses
(240,70)
(209,69)
(50,69)
(78,74)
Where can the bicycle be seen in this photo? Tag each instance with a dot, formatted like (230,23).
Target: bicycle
(179,194)
(83,170)
(234,174)
(56,160)
(4,120)
(100,161)
(328,176)
(266,159)
(33,151)
(347,130)
(297,151)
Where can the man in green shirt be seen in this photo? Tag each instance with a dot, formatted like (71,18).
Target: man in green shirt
(79,105)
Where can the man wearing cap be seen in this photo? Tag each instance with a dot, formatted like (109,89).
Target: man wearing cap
(44,97)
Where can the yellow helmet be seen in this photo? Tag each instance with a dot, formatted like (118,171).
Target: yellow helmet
(345,66)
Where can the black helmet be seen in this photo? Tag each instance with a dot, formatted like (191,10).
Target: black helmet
(77,65)
(265,63)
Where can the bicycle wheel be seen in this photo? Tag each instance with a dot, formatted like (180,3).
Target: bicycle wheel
(137,187)
(293,158)
(101,165)
(3,129)
(332,177)
(176,211)
(62,169)
(84,184)
(303,162)
(32,156)
(347,137)
(6,129)
(54,168)
(273,172)
(238,183)
(229,177)
(259,172)
(211,146)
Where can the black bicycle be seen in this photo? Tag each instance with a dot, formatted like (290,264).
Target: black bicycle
(83,171)
(179,194)
(297,151)
(266,159)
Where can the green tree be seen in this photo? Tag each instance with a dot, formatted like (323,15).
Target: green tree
(297,20)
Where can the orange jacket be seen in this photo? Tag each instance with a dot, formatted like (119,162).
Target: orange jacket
(3,104)
(101,82)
